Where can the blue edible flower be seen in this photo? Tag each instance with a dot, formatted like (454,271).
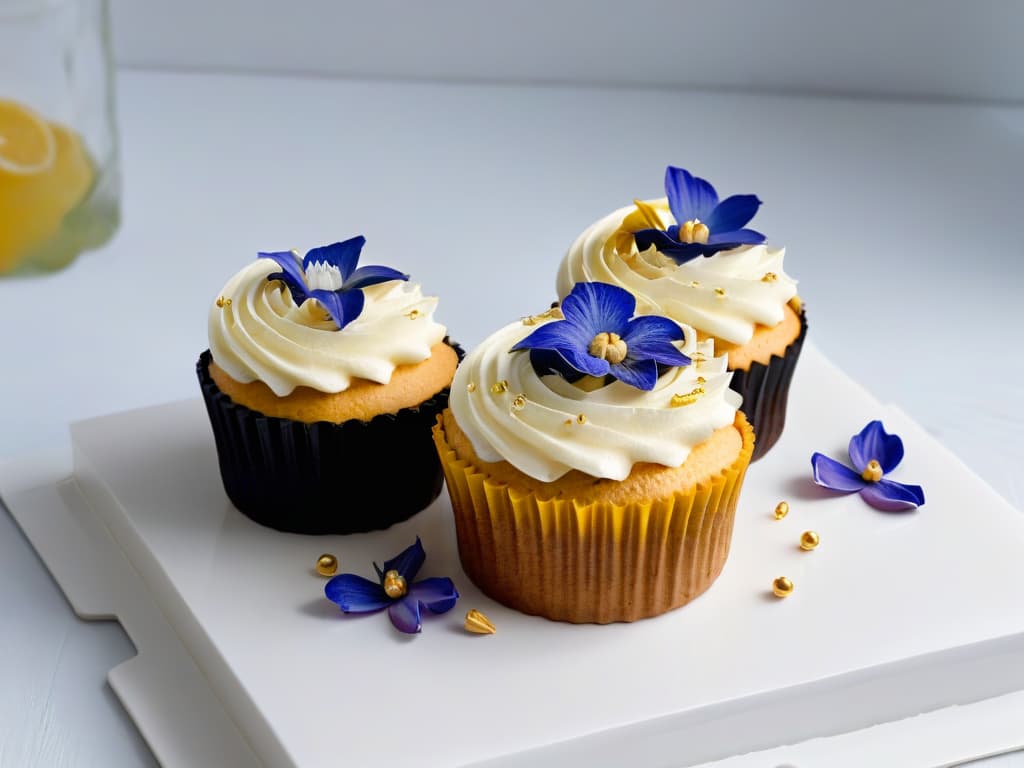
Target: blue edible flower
(395,590)
(598,338)
(705,225)
(329,275)
(874,454)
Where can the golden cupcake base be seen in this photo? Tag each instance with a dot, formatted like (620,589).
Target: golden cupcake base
(592,562)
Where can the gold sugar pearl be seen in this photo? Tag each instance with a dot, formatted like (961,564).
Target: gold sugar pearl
(479,624)
(471,387)
(809,540)
(701,380)
(769,277)
(327,564)
(499,387)
(519,402)
(223,302)
(781,510)
(394,585)
(782,587)
(581,418)
(872,472)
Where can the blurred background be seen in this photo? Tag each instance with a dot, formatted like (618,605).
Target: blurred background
(471,142)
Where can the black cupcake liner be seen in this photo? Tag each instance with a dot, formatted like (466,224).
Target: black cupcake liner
(320,478)
(765,390)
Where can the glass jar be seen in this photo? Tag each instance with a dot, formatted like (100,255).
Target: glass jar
(59,174)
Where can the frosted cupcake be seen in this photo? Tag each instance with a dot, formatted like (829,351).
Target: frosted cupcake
(594,461)
(690,257)
(321,376)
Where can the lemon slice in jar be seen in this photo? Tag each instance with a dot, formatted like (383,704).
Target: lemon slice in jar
(27,143)
(45,171)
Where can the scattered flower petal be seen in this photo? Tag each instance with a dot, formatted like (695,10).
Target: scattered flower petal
(871,444)
(354,594)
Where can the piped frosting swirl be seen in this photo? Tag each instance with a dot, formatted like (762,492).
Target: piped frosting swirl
(545,426)
(725,295)
(261,335)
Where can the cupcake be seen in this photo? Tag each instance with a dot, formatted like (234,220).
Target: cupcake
(594,461)
(690,257)
(319,376)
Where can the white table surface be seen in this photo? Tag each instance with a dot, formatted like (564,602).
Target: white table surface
(900,221)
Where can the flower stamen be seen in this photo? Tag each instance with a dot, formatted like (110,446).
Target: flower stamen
(323,276)
(394,585)
(872,472)
(694,231)
(608,346)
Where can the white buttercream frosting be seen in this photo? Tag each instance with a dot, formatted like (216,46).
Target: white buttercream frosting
(534,422)
(685,292)
(261,335)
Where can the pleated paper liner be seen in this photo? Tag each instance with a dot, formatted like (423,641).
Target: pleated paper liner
(592,562)
(765,390)
(305,478)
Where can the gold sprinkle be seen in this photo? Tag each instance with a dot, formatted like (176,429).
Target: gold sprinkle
(695,284)
(701,380)
(394,585)
(581,418)
(568,422)
(479,624)
(222,302)
(809,540)
(688,399)
(781,510)
(769,277)
(327,564)
(782,587)
(519,402)
(554,313)
(471,387)
(719,292)
(498,387)
(412,314)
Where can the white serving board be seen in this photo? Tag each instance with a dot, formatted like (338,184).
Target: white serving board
(893,616)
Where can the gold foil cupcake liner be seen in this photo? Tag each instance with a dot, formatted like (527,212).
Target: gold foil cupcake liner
(591,562)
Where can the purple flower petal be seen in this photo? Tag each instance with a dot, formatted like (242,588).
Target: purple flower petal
(733,213)
(437,594)
(650,338)
(584,362)
(354,594)
(726,241)
(371,275)
(890,496)
(838,477)
(556,335)
(873,442)
(291,273)
(642,374)
(343,255)
(598,307)
(407,562)
(342,306)
(405,615)
(689,197)
(661,240)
